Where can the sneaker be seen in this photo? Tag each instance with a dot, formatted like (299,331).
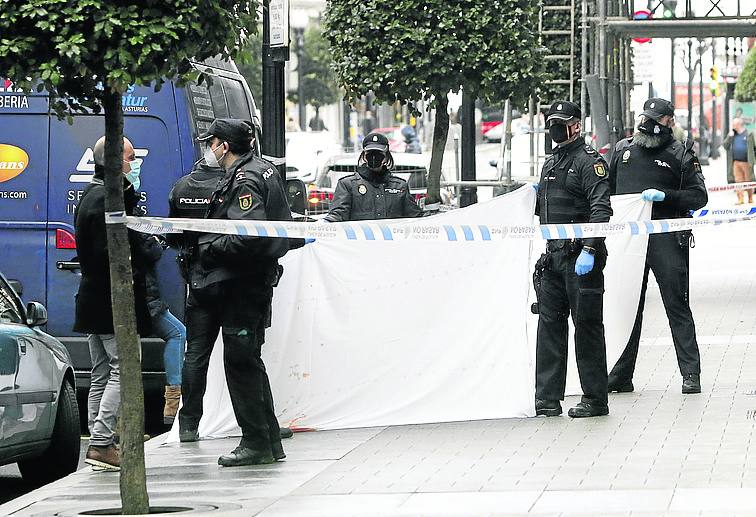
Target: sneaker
(691,383)
(548,407)
(588,409)
(103,458)
(190,435)
(245,456)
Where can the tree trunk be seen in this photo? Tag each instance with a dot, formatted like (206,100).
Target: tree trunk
(440,134)
(134,499)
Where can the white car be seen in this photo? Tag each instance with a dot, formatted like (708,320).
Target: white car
(413,168)
(306,152)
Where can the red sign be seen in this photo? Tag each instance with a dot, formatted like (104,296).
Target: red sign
(642,14)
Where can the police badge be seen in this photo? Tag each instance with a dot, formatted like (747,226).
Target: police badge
(362,189)
(245,201)
(626,156)
(599,169)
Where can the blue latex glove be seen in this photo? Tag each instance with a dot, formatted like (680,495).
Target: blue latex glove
(536,186)
(584,263)
(652,194)
(309,240)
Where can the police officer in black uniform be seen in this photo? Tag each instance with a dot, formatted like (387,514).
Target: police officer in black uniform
(665,171)
(373,192)
(574,188)
(231,280)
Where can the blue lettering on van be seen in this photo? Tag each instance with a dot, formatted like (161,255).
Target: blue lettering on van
(134,103)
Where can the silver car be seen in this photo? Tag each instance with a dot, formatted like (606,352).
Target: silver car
(39,415)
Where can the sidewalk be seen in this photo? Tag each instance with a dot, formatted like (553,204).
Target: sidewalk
(658,453)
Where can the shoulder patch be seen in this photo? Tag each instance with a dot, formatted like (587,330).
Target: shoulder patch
(590,150)
(599,169)
(245,201)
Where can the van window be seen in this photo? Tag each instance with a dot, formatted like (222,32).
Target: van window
(218,99)
(238,107)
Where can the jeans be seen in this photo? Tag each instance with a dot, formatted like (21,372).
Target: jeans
(240,308)
(104,389)
(168,328)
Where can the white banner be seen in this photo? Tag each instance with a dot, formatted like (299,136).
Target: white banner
(407,332)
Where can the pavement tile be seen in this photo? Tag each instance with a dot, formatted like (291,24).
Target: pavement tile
(336,505)
(469,503)
(602,501)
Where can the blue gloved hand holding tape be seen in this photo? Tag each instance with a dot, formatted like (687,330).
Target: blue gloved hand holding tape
(652,194)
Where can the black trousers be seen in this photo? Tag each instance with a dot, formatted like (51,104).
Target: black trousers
(564,293)
(241,309)
(669,262)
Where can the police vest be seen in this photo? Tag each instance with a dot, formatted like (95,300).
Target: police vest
(562,199)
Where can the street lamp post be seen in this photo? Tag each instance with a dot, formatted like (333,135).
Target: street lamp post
(275,50)
(299,21)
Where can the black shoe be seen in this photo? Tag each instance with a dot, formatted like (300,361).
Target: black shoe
(245,456)
(191,435)
(620,387)
(691,383)
(588,409)
(548,407)
(278,452)
(286,433)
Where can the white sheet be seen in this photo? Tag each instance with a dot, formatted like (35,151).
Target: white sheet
(406,332)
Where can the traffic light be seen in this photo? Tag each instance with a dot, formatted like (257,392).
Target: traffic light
(669,8)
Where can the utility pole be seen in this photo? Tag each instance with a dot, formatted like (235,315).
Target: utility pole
(691,73)
(703,153)
(714,144)
(299,32)
(469,195)
(275,52)
(672,71)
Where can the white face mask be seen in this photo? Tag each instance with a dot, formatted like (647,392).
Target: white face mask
(210,159)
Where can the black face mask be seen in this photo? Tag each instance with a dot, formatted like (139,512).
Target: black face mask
(375,159)
(652,127)
(558,133)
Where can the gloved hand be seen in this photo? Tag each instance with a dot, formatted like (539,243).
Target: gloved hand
(309,240)
(652,194)
(536,186)
(584,263)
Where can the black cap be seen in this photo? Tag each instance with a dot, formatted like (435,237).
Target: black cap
(563,111)
(376,141)
(656,108)
(229,130)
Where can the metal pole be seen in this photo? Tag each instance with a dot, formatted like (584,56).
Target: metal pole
(703,151)
(300,82)
(602,50)
(714,146)
(583,63)
(469,194)
(273,108)
(507,147)
(672,71)
(533,136)
(691,71)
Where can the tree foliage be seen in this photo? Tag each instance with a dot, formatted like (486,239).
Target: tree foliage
(318,80)
(251,68)
(77,48)
(408,50)
(745,89)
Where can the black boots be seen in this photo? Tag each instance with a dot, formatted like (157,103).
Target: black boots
(691,383)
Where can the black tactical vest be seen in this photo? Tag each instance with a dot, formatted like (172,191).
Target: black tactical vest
(561,195)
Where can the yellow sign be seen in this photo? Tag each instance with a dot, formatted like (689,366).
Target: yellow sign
(13,161)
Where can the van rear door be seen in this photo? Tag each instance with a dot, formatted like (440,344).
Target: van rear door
(24,130)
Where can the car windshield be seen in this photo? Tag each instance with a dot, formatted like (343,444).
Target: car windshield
(10,312)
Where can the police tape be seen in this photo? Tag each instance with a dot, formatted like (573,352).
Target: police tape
(398,229)
(732,186)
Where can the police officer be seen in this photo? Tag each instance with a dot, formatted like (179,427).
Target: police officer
(665,171)
(231,280)
(373,192)
(574,188)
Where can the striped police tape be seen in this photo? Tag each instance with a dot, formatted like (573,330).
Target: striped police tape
(426,230)
(732,186)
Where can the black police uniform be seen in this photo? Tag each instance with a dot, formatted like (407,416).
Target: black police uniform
(672,168)
(573,188)
(369,194)
(231,280)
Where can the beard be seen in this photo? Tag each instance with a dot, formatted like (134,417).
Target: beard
(649,141)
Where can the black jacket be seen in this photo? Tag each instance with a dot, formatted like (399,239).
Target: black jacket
(574,188)
(250,190)
(94,311)
(155,303)
(672,168)
(368,195)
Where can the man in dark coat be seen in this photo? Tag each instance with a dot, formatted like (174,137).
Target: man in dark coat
(373,192)
(94,310)
(231,280)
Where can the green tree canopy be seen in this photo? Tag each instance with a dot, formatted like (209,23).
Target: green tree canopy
(410,50)
(86,53)
(251,68)
(745,89)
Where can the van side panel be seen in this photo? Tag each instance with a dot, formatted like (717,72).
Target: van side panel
(24,129)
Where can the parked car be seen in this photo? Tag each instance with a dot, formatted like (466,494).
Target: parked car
(413,168)
(306,151)
(39,416)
